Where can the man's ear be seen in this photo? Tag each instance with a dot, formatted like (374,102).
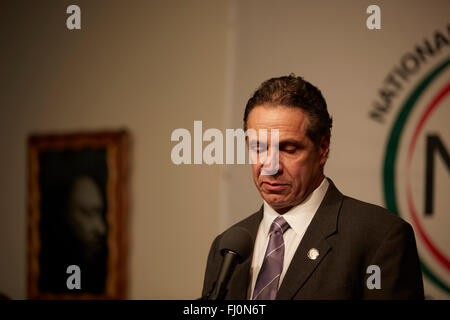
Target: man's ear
(324,149)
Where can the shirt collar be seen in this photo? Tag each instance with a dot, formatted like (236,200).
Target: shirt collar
(299,216)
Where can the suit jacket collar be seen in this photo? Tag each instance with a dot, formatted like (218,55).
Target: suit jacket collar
(323,225)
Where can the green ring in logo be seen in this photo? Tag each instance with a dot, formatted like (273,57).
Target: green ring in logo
(391,156)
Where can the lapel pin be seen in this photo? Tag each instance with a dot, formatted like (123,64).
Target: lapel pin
(313,253)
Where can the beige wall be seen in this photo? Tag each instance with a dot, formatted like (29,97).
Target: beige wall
(148,66)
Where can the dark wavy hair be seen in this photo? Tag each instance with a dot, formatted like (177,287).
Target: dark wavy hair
(294,92)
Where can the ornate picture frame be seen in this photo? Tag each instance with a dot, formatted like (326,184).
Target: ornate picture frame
(77,215)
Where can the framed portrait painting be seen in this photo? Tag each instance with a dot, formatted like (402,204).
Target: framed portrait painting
(77,215)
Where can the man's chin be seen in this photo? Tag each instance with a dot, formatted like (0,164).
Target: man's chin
(275,201)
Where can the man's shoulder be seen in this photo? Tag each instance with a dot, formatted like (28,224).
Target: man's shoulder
(361,214)
(370,217)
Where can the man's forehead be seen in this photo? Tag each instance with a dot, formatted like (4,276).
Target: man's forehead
(277,117)
(281,138)
(290,122)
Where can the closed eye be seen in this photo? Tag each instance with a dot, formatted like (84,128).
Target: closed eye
(259,147)
(289,147)
(290,150)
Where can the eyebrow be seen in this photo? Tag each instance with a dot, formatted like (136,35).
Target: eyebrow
(290,142)
(280,143)
(293,141)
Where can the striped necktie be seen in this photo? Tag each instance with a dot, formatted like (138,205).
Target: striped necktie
(266,287)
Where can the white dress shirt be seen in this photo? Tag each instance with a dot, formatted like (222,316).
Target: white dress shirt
(299,218)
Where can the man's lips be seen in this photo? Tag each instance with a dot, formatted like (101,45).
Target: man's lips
(273,186)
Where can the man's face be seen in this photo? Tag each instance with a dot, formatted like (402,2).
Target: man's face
(85,213)
(300,169)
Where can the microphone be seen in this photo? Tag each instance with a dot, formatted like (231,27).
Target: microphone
(235,247)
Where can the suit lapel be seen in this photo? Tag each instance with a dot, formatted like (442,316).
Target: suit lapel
(240,279)
(321,227)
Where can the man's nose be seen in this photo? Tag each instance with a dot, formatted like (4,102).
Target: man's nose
(270,162)
(99,226)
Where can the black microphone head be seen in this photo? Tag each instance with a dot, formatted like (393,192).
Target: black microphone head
(237,240)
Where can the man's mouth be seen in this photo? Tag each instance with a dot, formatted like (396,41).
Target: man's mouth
(273,186)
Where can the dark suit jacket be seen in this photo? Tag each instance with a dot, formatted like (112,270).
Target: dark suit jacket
(350,235)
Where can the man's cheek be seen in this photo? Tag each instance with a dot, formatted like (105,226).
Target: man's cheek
(256,170)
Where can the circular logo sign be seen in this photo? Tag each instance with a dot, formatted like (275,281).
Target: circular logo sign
(417,171)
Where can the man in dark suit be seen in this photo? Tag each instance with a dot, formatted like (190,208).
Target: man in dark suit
(309,240)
